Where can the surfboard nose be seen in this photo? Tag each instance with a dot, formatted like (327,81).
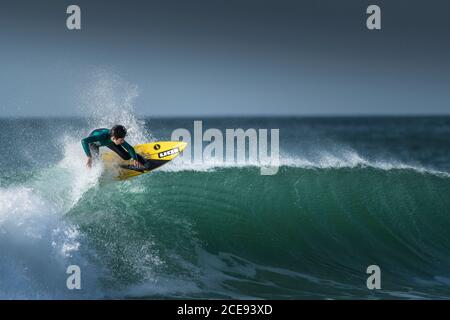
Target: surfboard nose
(182,145)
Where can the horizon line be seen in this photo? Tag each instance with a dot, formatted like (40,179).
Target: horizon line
(78,117)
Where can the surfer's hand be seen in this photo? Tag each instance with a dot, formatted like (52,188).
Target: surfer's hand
(137,164)
(89,162)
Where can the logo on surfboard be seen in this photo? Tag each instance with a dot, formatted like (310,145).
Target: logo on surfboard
(168,152)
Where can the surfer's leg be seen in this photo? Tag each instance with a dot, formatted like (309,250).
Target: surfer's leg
(124,153)
(142,160)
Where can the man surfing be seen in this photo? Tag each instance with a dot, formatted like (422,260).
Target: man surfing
(114,139)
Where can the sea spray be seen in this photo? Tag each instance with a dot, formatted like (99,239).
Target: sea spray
(109,100)
(36,246)
(82,178)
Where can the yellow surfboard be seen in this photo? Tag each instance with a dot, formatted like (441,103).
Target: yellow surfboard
(156,154)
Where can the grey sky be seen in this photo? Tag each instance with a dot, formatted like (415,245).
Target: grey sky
(230,57)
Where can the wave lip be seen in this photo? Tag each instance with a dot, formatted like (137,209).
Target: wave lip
(323,160)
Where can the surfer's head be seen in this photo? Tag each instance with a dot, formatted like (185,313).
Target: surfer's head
(118,133)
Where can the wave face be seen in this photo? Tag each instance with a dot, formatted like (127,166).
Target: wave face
(304,233)
(349,193)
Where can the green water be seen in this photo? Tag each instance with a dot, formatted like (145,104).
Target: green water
(372,194)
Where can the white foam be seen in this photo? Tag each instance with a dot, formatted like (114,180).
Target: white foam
(343,158)
(36,247)
(37,241)
(80,177)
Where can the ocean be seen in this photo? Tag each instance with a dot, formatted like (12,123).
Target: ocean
(350,192)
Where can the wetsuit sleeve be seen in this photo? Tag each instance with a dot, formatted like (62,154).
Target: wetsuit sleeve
(85,143)
(130,150)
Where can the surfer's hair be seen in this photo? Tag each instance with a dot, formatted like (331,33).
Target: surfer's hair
(118,131)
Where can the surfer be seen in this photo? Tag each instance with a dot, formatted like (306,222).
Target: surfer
(114,139)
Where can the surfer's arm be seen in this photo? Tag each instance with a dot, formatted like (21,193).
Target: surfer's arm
(85,143)
(130,150)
